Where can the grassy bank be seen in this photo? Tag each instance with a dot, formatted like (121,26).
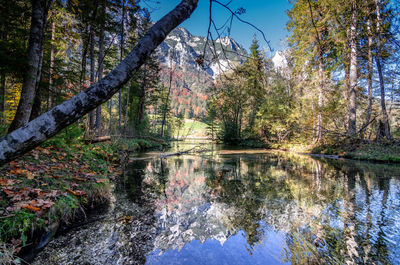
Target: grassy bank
(388,152)
(56,185)
(363,150)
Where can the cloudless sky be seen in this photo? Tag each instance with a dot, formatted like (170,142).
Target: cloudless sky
(268,15)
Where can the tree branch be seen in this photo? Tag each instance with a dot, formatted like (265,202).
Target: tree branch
(50,123)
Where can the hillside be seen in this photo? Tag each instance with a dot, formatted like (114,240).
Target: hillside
(180,51)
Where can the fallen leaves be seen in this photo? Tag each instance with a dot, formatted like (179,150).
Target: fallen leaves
(6,182)
(46,176)
(30,199)
(76,192)
(125,219)
(102,181)
(19,171)
(79,179)
(30,207)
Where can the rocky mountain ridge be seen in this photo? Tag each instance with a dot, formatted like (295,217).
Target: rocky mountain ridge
(183,49)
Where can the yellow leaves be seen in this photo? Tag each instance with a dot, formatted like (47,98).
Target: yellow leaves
(6,182)
(12,99)
(79,179)
(76,193)
(126,219)
(19,171)
(30,207)
(37,205)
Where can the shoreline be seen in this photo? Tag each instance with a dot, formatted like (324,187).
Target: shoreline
(53,189)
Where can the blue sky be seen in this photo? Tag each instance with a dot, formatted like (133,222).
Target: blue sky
(267,15)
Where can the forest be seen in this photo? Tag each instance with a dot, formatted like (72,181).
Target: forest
(86,86)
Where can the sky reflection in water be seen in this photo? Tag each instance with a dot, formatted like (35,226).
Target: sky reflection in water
(272,209)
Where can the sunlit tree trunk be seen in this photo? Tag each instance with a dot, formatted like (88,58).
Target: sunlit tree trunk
(379,68)
(35,49)
(320,94)
(370,72)
(352,112)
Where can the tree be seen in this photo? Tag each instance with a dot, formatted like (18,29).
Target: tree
(353,80)
(314,55)
(40,9)
(254,71)
(379,67)
(50,123)
(100,63)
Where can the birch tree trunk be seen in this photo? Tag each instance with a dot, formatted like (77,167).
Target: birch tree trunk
(39,16)
(352,129)
(50,123)
(320,94)
(379,68)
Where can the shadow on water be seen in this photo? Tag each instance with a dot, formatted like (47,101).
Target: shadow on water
(230,207)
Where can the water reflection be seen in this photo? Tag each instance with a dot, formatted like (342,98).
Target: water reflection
(271,209)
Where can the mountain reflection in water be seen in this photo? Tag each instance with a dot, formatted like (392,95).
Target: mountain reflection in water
(271,209)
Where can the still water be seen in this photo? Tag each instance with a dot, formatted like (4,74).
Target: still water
(248,207)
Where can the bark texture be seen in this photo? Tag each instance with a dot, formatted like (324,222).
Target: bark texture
(35,47)
(2,96)
(52,89)
(370,72)
(379,68)
(142,99)
(352,129)
(100,70)
(50,123)
(92,73)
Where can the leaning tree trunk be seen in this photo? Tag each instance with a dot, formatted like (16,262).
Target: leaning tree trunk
(39,16)
(379,68)
(352,129)
(50,123)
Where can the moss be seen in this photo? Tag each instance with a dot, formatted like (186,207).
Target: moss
(79,174)
(362,150)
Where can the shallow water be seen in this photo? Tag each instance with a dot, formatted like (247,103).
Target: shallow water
(244,207)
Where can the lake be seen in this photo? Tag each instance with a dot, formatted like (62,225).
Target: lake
(232,206)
